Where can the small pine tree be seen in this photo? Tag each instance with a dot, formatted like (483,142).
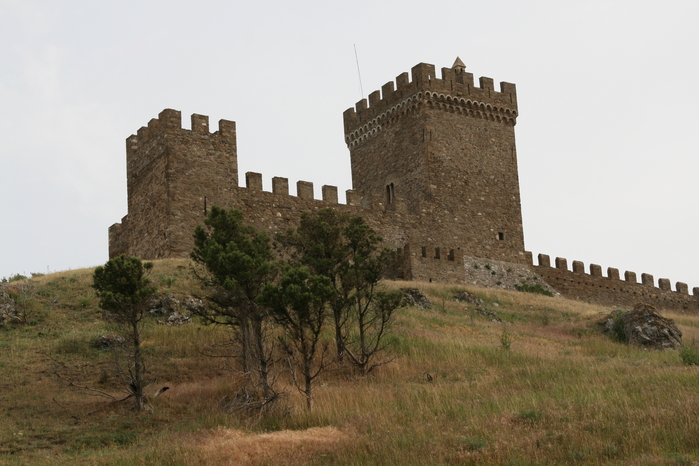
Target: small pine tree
(123,290)
(240,262)
(299,304)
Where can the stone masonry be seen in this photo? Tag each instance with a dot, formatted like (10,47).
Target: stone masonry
(434,172)
(433,163)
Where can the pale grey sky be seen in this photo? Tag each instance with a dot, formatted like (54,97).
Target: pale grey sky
(607,97)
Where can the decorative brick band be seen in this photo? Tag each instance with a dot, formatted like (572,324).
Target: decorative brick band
(433,100)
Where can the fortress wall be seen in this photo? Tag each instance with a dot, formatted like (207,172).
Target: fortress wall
(435,263)
(401,231)
(175,175)
(277,211)
(434,168)
(610,289)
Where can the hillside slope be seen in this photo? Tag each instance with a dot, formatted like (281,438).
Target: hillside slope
(517,379)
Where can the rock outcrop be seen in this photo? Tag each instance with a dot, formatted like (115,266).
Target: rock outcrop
(644,327)
(415,297)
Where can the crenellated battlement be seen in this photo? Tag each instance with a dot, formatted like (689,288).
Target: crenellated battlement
(304,190)
(611,288)
(169,121)
(454,92)
(362,205)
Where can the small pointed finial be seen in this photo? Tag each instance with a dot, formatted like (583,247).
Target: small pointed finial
(458,65)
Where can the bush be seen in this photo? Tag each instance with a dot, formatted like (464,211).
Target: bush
(617,331)
(690,355)
(13,278)
(529,415)
(475,443)
(505,339)
(538,289)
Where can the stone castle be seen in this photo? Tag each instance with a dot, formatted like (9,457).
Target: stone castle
(434,172)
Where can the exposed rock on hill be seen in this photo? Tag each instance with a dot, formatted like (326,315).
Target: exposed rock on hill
(489,273)
(109,341)
(466,297)
(176,311)
(644,327)
(415,297)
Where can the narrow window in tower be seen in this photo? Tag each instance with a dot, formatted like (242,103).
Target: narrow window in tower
(436,253)
(451,255)
(205,212)
(501,236)
(390,194)
(424,251)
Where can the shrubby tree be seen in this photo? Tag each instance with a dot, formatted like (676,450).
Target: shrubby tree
(123,290)
(299,304)
(369,307)
(319,244)
(240,262)
(346,251)
(332,266)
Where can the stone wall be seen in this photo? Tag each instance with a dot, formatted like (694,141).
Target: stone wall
(175,175)
(434,170)
(611,289)
(433,167)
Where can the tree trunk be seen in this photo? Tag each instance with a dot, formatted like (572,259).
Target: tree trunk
(307,374)
(309,393)
(260,356)
(339,339)
(244,341)
(137,378)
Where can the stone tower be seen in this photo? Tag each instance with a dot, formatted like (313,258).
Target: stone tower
(173,175)
(446,148)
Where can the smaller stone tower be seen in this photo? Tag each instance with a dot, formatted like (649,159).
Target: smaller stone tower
(173,174)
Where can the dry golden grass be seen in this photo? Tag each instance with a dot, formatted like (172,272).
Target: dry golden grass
(290,447)
(562,394)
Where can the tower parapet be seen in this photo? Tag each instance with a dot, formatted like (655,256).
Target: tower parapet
(453,92)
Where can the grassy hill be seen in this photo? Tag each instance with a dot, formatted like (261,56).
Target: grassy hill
(562,393)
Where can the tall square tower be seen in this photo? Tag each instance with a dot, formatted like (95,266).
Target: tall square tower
(447,149)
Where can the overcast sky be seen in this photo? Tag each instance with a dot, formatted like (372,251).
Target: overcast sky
(606,137)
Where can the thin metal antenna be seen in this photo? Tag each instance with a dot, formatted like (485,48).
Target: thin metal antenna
(361,89)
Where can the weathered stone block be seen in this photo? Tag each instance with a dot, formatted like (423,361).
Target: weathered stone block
(664,284)
(647,279)
(200,123)
(613,273)
(329,194)
(561,263)
(578,267)
(280,185)
(528,257)
(595,270)
(253,181)
(353,197)
(304,189)
(630,277)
